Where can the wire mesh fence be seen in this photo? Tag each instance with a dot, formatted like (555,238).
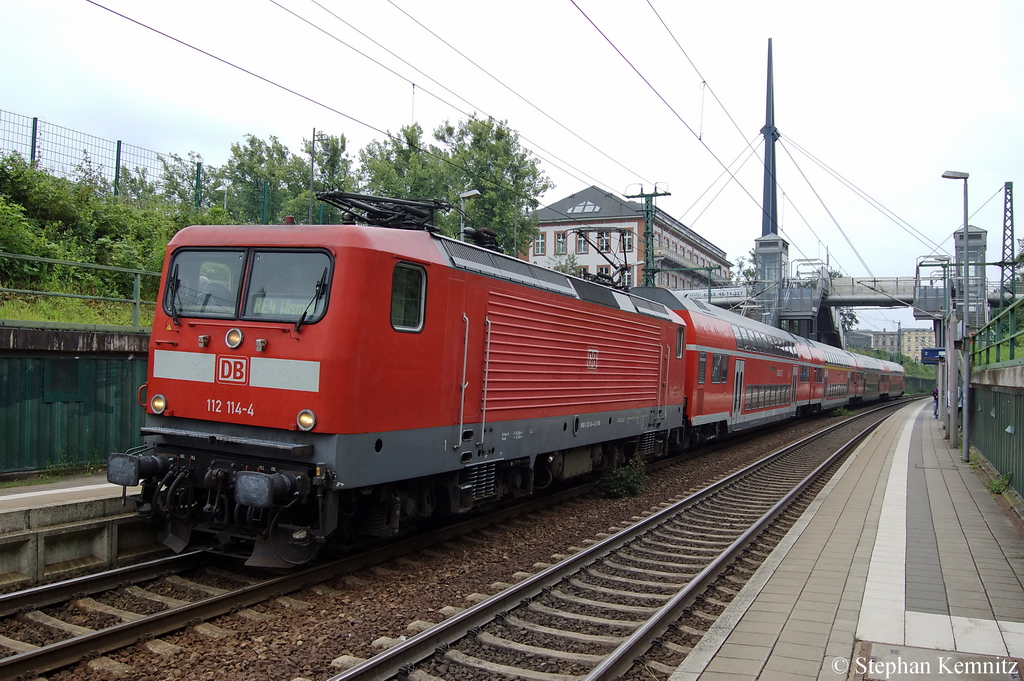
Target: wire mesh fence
(71,154)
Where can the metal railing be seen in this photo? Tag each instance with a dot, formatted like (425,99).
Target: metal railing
(1002,339)
(136,300)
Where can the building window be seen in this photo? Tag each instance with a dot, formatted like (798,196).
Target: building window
(582,247)
(627,277)
(581,271)
(560,241)
(604,242)
(627,240)
(604,270)
(540,244)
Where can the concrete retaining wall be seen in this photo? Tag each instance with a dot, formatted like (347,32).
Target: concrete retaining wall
(59,541)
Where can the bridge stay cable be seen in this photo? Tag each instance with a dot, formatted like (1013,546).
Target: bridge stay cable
(823,205)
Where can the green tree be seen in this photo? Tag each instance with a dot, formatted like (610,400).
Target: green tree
(255,164)
(403,167)
(745,272)
(332,169)
(847,316)
(178,179)
(135,187)
(486,155)
(566,264)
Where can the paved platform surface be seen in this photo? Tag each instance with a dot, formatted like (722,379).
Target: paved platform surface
(904,567)
(67,490)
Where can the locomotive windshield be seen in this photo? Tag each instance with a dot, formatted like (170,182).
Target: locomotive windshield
(278,285)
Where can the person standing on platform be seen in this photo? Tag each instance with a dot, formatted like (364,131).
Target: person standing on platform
(935,402)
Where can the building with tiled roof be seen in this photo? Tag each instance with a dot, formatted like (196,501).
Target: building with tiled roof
(598,232)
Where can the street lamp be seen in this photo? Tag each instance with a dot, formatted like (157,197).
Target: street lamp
(224,185)
(965,342)
(468,194)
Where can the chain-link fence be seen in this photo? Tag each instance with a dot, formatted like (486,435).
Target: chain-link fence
(71,154)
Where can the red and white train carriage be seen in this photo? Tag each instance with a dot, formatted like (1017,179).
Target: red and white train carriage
(743,374)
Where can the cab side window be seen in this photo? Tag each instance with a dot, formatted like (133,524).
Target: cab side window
(408,297)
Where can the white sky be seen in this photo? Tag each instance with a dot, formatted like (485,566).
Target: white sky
(887,94)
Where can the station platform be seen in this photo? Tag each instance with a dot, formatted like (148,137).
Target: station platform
(64,490)
(903,567)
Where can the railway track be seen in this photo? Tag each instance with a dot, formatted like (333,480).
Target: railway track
(595,614)
(88,616)
(165,601)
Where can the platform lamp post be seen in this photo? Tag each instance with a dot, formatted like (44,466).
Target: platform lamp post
(965,350)
(468,194)
(225,184)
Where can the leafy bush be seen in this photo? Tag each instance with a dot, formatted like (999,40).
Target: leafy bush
(628,481)
(77,220)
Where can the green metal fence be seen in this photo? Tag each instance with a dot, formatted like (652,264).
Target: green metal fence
(995,413)
(64,152)
(135,301)
(1001,340)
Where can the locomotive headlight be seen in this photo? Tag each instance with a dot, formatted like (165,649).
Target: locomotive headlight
(306,419)
(158,404)
(233,338)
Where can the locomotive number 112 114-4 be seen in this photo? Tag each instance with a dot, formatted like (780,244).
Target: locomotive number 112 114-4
(230,407)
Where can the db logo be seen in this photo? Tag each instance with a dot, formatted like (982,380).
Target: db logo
(232,369)
(591,359)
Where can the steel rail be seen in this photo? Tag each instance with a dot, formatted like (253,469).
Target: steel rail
(49,594)
(640,641)
(70,651)
(401,658)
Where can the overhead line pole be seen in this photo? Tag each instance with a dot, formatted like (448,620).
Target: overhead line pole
(649,268)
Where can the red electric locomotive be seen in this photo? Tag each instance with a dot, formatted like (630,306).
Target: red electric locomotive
(308,381)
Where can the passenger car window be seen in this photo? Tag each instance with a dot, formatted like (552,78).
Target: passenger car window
(408,297)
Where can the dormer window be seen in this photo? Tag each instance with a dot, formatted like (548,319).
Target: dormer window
(585,207)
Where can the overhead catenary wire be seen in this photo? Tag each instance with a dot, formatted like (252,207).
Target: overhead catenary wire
(703,80)
(750,152)
(517,94)
(313,101)
(836,175)
(534,146)
(664,101)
